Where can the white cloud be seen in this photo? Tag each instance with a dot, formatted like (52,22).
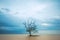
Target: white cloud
(26,9)
(46,24)
(9,28)
(5,28)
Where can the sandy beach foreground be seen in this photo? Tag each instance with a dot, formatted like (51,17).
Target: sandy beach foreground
(26,37)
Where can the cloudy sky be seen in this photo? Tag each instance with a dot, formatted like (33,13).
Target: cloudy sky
(14,12)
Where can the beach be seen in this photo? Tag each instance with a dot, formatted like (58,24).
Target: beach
(27,37)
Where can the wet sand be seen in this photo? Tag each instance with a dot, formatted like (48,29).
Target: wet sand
(26,37)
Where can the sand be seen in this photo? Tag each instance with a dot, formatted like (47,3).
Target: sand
(26,37)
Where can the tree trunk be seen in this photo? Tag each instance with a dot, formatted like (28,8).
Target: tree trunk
(30,33)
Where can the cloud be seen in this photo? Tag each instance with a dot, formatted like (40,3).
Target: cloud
(23,10)
(10,28)
(26,9)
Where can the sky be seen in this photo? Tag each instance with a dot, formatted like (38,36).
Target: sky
(13,13)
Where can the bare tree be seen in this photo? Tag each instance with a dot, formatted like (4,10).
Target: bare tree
(30,26)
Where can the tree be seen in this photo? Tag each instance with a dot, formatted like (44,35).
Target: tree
(30,26)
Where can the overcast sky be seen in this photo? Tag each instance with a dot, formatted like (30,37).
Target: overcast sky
(14,12)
